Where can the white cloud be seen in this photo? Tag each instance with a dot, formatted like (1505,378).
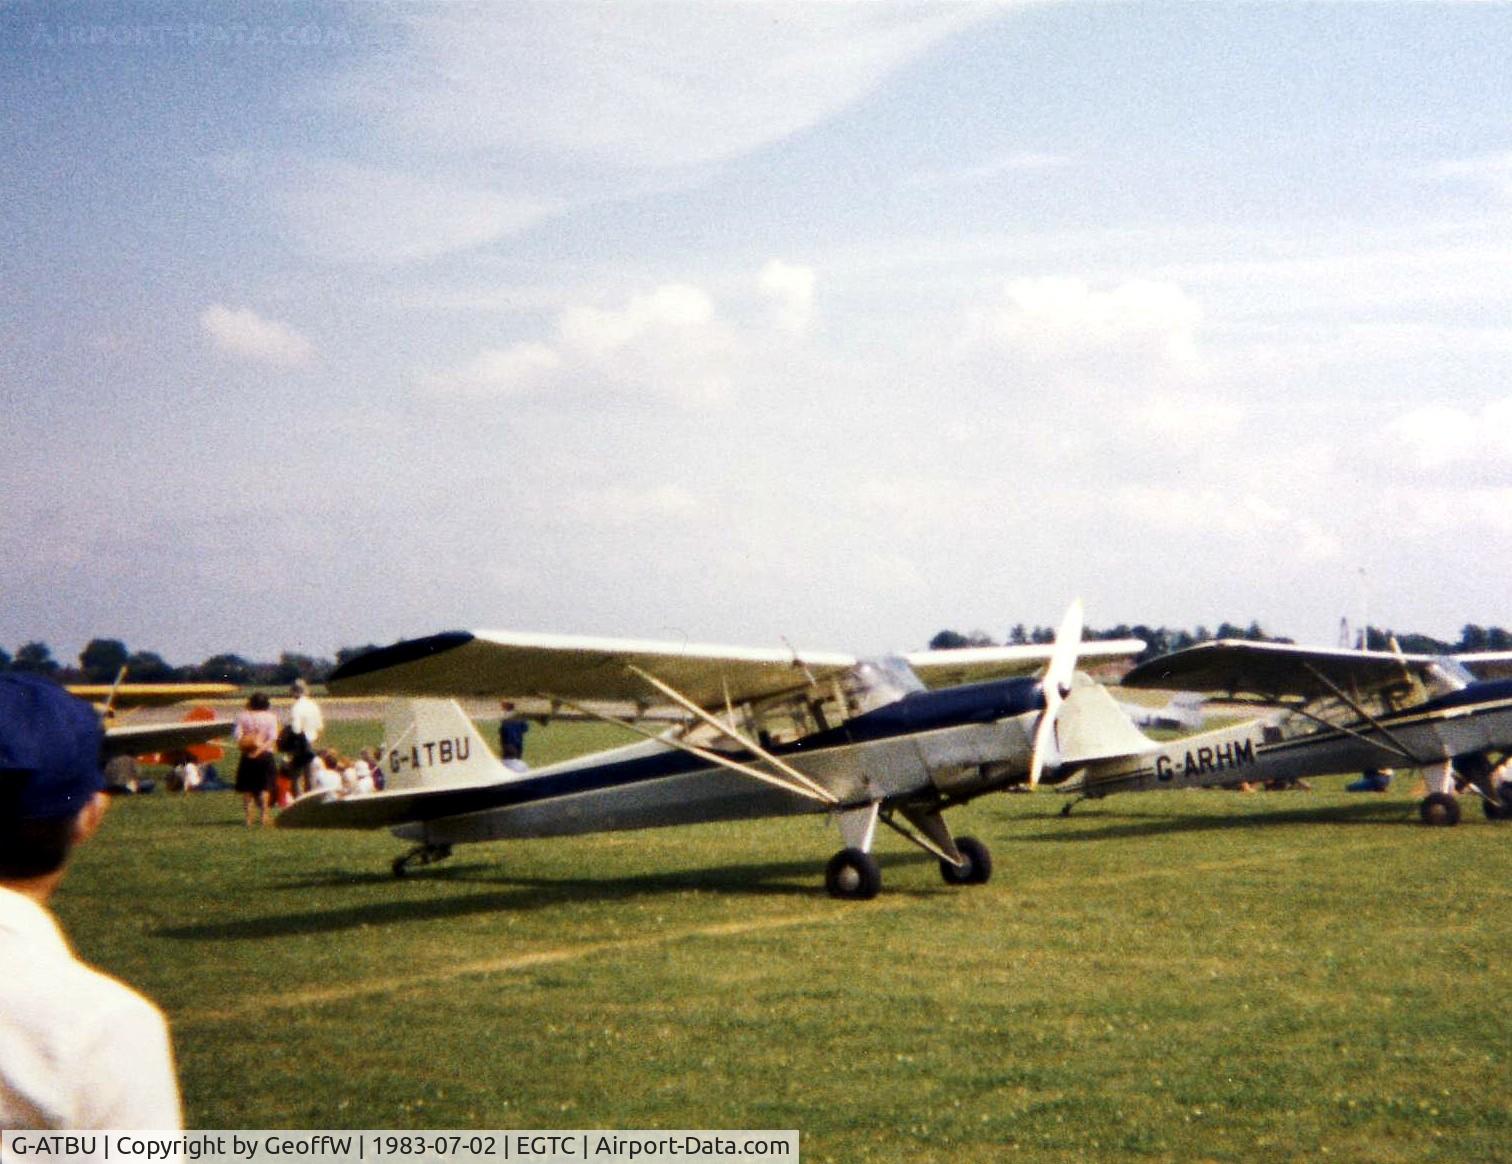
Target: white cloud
(362,214)
(790,291)
(1184,419)
(243,333)
(1488,171)
(656,85)
(1437,436)
(619,505)
(1174,511)
(1057,317)
(1020,163)
(668,343)
(516,370)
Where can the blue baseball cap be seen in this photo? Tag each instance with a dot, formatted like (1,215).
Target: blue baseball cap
(50,748)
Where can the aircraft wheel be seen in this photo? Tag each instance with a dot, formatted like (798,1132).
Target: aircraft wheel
(1439,808)
(853,875)
(978,867)
(1502,811)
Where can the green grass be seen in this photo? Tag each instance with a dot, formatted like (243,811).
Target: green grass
(1174,976)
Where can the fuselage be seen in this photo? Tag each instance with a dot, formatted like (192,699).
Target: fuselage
(929,744)
(1477,718)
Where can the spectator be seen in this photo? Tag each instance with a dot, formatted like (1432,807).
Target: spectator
(512,731)
(256,735)
(78,1049)
(305,727)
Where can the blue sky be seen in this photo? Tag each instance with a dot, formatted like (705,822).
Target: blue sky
(327,324)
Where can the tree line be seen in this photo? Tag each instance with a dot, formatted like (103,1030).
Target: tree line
(101,660)
(1162,640)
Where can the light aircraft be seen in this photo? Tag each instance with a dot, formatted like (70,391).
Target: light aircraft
(1330,711)
(897,740)
(148,739)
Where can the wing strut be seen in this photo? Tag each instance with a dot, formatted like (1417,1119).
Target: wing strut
(735,734)
(812,792)
(1400,748)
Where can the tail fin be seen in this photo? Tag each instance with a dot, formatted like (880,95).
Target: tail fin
(430,743)
(1093,727)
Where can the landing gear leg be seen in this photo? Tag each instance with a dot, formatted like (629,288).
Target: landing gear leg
(853,873)
(420,855)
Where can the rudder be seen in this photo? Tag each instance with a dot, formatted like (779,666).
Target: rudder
(431,743)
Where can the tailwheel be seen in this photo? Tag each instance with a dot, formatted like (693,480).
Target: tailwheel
(420,855)
(976,870)
(1439,809)
(853,875)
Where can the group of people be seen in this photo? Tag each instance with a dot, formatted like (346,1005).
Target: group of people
(279,763)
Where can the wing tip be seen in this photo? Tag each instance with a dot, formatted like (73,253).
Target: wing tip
(353,671)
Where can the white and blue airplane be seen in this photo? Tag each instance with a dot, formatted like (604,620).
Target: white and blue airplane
(898,740)
(1330,710)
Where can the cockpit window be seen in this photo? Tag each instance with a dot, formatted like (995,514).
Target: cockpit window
(874,683)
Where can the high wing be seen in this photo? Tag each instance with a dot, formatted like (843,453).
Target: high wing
(1486,664)
(951,668)
(142,739)
(1281,672)
(581,669)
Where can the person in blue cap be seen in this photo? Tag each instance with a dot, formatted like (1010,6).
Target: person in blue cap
(78,1049)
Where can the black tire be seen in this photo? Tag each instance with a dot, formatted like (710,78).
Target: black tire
(1502,811)
(978,867)
(1439,809)
(853,875)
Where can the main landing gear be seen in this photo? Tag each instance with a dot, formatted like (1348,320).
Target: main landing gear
(1475,773)
(853,874)
(420,855)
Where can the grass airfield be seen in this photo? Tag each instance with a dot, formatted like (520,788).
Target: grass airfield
(1172,976)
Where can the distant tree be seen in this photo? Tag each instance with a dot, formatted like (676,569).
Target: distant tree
(347,654)
(946,640)
(292,666)
(101,660)
(35,659)
(1019,635)
(225,669)
(150,667)
(5,659)
(1474,638)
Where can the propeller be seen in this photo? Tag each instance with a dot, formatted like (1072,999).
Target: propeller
(1056,685)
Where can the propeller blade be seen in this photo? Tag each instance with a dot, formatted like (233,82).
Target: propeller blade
(1056,685)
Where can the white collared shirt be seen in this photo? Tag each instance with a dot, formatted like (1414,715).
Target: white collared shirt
(78,1049)
(304,716)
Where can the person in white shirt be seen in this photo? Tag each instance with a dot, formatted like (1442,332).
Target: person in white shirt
(305,721)
(78,1049)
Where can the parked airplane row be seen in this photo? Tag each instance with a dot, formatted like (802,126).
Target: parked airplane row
(897,741)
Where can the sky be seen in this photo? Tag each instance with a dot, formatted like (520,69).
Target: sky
(825,324)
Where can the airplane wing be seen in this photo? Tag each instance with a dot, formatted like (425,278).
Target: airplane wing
(1487,664)
(123,695)
(142,739)
(950,668)
(509,664)
(1277,672)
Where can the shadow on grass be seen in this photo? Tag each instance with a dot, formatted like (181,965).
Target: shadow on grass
(522,893)
(1141,824)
